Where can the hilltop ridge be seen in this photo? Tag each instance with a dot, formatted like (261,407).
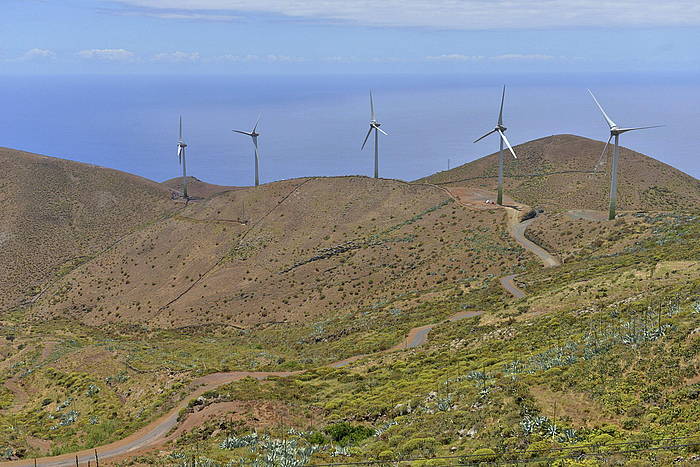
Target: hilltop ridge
(557,172)
(197,188)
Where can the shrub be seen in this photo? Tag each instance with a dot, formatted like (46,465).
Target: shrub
(484,455)
(346,434)
(317,438)
(423,446)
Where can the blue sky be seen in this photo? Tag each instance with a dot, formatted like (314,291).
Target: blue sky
(363,36)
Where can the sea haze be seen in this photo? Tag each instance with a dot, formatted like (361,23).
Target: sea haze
(315,125)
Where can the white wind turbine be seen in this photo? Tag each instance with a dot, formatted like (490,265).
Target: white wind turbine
(181,145)
(254,135)
(615,131)
(500,129)
(374,125)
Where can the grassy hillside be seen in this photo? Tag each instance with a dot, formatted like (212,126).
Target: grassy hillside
(58,214)
(598,364)
(302,249)
(557,173)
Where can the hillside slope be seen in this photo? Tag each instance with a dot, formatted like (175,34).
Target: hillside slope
(58,213)
(302,249)
(197,188)
(556,173)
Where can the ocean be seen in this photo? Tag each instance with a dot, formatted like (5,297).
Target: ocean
(315,125)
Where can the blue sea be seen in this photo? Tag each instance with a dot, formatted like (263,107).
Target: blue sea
(314,125)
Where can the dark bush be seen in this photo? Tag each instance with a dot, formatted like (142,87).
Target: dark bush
(345,434)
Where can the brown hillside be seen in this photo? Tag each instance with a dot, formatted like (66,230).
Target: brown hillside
(58,213)
(556,173)
(306,248)
(197,188)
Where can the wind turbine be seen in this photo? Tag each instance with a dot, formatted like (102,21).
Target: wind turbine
(181,145)
(374,125)
(615,131)
(254,135)
(500,129)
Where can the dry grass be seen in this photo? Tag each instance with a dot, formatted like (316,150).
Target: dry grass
(311,247)
(57,214)
(562,166)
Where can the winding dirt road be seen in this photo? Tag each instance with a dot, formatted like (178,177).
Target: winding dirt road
(156,433)
(517,231)
(508,283)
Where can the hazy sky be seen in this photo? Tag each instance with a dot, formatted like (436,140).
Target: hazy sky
(309,36)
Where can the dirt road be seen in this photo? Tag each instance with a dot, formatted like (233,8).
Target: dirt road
(517,231)
(508,283)
(156,432)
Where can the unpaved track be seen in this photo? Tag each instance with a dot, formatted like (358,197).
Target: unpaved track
(476,198)
(517,231)
(156,433)
(14,384)
(508,283)
(20,395)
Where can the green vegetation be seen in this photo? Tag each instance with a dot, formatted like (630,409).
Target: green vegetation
(603,351)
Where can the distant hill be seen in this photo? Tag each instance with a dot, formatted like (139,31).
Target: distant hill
(556,172)
(197,188)
(294,251)
(57,214)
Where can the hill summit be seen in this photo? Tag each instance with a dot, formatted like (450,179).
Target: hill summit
(558,172)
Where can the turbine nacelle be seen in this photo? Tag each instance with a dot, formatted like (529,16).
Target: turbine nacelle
(254,137)
(615,132)
(500,128)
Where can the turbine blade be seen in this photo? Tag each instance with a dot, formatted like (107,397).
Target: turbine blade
(243,132)
(505,140)
(179,154)
(611,124)
(492,131)
(180,127)
(384,132)
(600,159)
(256,123)
(366,138)
(639,128)
(503,98)
(371,104)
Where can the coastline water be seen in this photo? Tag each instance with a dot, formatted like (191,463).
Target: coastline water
(315,125)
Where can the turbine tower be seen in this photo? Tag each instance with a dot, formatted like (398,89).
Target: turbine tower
(181,145)
(374,125)
(254,135)
(615,131)
(500,129)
